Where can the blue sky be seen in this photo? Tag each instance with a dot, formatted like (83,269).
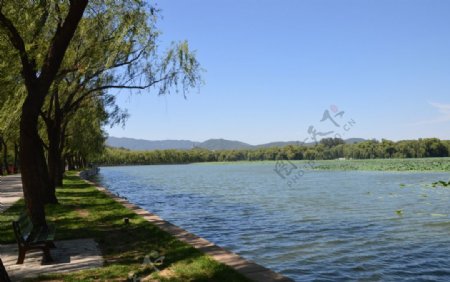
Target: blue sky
(274,67)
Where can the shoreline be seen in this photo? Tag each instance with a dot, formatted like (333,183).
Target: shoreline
(249,269)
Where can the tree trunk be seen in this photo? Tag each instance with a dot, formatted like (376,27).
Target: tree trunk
(16,158)
(71,165)
(76,161)
(35,179)
(5,156)
(53,165)
(83,162)
(54,134)
(54,153)
(1,164)
(60,174)
(62,162)
(80,161)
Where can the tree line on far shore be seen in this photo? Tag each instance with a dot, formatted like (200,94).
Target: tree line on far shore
(326,149)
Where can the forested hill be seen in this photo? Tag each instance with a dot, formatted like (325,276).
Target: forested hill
(142,145)
(211,144)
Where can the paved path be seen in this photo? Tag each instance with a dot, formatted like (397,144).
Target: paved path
(69,256)
(10,190)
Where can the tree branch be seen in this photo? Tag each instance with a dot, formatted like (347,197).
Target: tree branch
(78,101)
(42,20)
(28,68)
(60,42)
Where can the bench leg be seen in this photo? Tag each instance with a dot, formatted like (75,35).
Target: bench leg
(21,256)
(47,256)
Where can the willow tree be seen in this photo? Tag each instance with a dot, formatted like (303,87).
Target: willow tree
(112,51)
(85,138)
(11,98)
(37,35)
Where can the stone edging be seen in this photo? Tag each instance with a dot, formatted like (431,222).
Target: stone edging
(247,268)
(87,173)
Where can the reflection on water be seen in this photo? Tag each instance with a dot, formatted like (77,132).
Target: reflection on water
(330,226)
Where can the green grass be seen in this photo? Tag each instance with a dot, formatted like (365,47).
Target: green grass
(85,212)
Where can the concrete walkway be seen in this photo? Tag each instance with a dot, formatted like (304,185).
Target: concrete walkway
(69,256)
(10,191)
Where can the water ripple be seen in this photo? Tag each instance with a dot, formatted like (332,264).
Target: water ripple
(333,226)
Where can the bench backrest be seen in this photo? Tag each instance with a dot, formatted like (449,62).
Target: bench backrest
(22,228)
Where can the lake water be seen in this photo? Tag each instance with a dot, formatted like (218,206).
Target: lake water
(327,226)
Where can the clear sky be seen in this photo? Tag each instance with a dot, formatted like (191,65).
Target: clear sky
(274,67)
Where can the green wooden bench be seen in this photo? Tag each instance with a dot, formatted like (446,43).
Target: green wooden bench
(31,238)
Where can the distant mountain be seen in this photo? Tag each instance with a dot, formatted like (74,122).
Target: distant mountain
(281,144)
(140,144)
(211,144)
(354,140)
(222,144)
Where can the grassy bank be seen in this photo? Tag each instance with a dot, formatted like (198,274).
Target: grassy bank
(85,212)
